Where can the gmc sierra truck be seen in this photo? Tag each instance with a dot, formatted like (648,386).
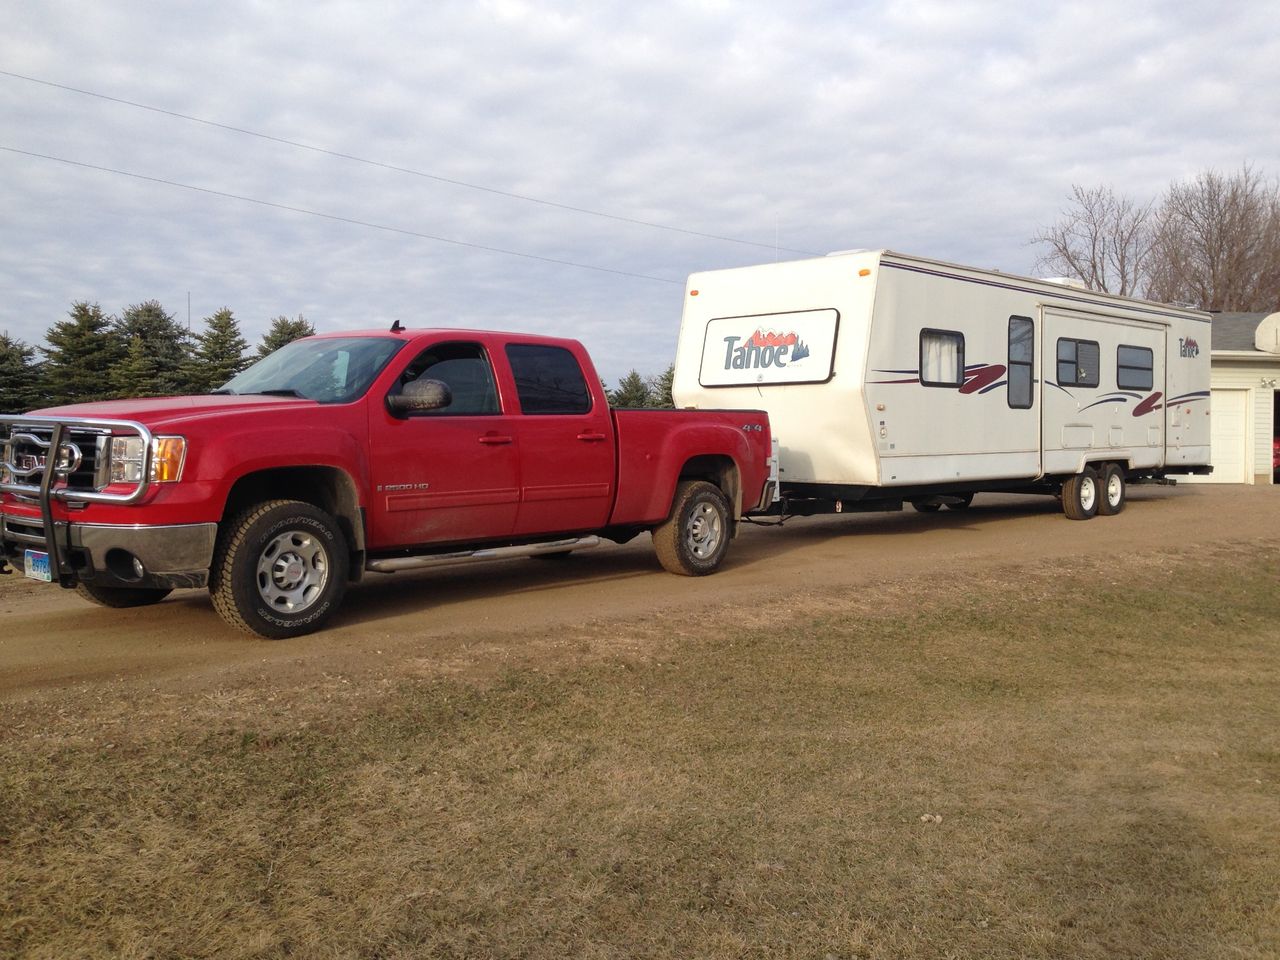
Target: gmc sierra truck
(366,451)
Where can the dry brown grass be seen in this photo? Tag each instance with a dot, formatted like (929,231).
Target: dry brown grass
(1096,748)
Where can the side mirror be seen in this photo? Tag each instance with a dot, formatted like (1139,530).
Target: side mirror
(419,396)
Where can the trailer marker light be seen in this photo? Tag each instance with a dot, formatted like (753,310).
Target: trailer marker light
(693,293)
(864,272)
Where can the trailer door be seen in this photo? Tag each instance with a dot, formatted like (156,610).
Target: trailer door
(1103,383)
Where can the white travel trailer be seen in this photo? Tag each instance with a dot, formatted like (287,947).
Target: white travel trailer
(892,379)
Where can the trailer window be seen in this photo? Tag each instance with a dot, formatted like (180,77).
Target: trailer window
(941,358)
(1134,368)
(1022,356)
(548,379)
(1078,363)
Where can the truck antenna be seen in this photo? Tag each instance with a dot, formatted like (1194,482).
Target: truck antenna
(396,328)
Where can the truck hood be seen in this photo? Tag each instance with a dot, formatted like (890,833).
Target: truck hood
(164,412)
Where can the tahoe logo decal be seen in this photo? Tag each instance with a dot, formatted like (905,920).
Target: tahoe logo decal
(770,349)
(763,350)
(1188,347)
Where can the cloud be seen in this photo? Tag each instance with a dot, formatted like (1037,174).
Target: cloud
(947,129)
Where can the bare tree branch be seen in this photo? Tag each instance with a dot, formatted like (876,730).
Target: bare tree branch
(1102,239)
(1217,243)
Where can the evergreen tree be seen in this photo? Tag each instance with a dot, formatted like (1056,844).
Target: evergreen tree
(219,353)
(18,376)
(167,345)
(660,389)
(80,355)
(138,373)
(632,391)
(283,330)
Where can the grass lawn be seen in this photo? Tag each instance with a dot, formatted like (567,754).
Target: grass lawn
(1079,761)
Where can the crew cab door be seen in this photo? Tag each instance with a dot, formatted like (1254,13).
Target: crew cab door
(565,440)
(447,475)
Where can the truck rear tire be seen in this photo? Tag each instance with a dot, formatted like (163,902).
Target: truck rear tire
(280,570)
(1080,495)
(1111,500)
(961,502)
(692,542)
(121,597)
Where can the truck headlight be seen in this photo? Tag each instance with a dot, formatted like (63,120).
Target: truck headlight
(167,457)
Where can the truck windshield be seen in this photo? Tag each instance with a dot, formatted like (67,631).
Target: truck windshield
(327,370)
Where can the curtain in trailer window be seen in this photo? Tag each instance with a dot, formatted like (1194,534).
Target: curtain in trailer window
(1078,363)
(941,358)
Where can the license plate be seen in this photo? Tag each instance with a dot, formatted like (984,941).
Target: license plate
(36,565)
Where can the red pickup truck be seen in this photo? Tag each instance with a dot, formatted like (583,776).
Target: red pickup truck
(366,451)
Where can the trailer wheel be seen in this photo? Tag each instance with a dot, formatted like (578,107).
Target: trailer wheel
(926,506)
(1113,491)
(121,597)
(1080,495)
(962,503)
(693,540)
(280,570)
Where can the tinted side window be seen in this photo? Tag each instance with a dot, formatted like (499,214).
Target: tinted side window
(1078,363)
(941,358)
(464,369)
(1022,354)
(1134,368)
(548,379)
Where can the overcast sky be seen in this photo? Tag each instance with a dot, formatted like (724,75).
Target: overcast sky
(947,129)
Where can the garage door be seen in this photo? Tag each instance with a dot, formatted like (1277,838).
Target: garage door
(1230,420)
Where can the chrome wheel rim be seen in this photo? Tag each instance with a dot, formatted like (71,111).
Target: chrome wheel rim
(1088,493)
(704,531)
(292,571)
(1115,488)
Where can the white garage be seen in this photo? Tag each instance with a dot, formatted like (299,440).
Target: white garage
(1245,374)
(1230,453)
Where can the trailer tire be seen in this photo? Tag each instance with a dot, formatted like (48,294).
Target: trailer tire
(926,506)
(962,503)
(1080,495)
(280,570)
(692,542)
(1113,496)
(119,598)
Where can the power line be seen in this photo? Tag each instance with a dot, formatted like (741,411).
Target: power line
(335,217)
(398,169)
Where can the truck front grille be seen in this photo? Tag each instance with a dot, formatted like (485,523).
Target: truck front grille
(26,450)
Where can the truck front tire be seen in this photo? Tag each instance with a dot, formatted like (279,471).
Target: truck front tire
(693,540)
(280,570)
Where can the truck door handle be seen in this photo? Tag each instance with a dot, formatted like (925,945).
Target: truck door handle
(493,440)
(592,437)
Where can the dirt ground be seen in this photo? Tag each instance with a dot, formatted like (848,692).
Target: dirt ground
(477,613)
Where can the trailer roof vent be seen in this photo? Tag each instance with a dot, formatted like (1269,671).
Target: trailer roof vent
(1066,282)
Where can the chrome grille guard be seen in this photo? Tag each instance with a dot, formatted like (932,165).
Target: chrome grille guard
(54,460)
(17,432)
